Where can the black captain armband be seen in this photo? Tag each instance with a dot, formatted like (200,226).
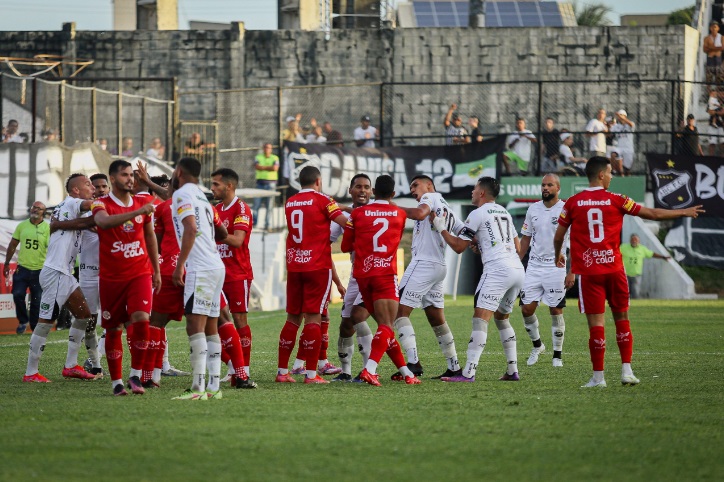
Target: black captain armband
(466,233)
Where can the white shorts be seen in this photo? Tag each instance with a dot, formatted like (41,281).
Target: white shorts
(498,289)
(351,298)
(627,157)
(716,135)
(421,285)
(547,284)
(89,287)
(202,292)
(57,288)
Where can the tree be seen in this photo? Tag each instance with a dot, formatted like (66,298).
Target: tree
(683,16)
(592,14)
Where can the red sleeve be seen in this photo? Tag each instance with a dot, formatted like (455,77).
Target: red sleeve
(626,204)
(242,221)
(97,206)
(332,208)
(565,218)
(348,239)
(217,219)
(158,226)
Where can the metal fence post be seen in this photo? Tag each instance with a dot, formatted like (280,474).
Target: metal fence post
(279,119)
(541,144)
(143,123)
(119,122)
(382,114)
(61,110)
(174,123)
(2,77)
(673,116)
(94,120)
(34,108)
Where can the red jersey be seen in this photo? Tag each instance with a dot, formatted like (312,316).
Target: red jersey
(123,252)
(168,249)
(309,214)
(236,217)
(373,232)
(595,217)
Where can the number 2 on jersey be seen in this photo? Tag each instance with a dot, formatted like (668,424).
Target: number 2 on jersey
(297,220)
(376,247)
(595,225)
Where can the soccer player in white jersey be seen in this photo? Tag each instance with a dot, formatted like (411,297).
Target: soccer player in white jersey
(422,283)
(544,281)
(492,226)
(196,224)
(60,287)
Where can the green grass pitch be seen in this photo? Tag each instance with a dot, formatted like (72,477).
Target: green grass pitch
(545,427)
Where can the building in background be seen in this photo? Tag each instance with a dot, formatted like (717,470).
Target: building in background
(325,14)
(145,14)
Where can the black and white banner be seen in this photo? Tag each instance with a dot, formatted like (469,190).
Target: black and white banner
(683,181)
(454,169)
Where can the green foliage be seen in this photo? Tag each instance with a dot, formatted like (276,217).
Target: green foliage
(544,427)
(592,14)
(683,16)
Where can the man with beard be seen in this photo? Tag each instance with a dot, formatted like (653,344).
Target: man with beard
(543,279)
(129,273)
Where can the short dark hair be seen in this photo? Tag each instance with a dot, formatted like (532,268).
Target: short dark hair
(519,119)
(384,186)
(490,185)
(357,176)
(70,179)
(595,165)
(190,166)
(97,176)
(160,180)
(309,176)
(117,166)
(227,175)
(425,177)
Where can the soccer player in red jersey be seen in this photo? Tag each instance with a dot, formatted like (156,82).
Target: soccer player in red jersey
(595,217)
(373,232)
(129,272)
(237,218)
(309,214)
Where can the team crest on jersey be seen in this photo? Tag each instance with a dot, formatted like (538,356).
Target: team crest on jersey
(128,227)
(139,219)
(673,188)
(226,223)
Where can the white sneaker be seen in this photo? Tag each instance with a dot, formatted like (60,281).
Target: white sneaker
(557,362)
(595,383)
(629,379)
(535,353)
(226,378)
(174,372)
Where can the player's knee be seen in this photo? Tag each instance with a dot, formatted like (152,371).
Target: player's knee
(502,324)
(528,310)
(558,322)
(402,322)
(480,324)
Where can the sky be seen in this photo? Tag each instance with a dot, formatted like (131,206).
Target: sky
(256,14)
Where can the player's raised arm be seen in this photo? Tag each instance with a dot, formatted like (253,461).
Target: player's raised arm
(663,214)
(418,213)
(143,176)
(106,221)
(72,224)
(458,244)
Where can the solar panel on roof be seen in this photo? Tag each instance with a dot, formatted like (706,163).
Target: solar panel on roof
(443,7)
(422,7)
(440,13)
(425,20)
(447,20)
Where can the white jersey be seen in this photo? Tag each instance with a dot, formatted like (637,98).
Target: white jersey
(428,244)
(541,224)
(493,227)
(189,200)
(64,245)
(89,255)
(366,135)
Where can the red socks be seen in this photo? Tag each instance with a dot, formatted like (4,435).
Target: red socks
(114,353)
(231,344)
(158,362)
(154,343)
(286,343)
(597,346)
(311,340)
(325,340)
(245,336)
(381,343)
(395,353)
(624,338)
(138,337)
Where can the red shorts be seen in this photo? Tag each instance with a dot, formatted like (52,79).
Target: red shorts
(169,300)
(378,288)
(237,293)
(120,299)
(594,290)
(223,300)
(308,291)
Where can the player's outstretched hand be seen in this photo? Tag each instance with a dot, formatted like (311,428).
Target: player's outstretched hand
(177,278)
(561,261)
(438,222)
(694,211)
(149,208)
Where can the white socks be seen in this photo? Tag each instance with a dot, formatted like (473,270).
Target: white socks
(213,361)
(447,345)
(76,336)
(406,337)
(345,350)
(558,330)
(531,326)
(37,344)
(478,339)
(507,338)
(364,340)
(91,344)
(199,349)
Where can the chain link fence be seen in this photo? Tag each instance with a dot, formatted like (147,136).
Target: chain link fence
(77,110)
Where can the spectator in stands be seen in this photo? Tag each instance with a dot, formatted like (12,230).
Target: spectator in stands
(623,133)
(156,150)
(317,135)
(49,135)
(127,147)
(196,146)
(596,133)
(475,135)
(550,147)
(292,133)
(689,137)
(566,154)
(11,132)
(455,133)
(520,144)
(103,144)
(266,165)
(633,255)
(365,135)
(713,49)
(716,131)
(334,137)
(614,155)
